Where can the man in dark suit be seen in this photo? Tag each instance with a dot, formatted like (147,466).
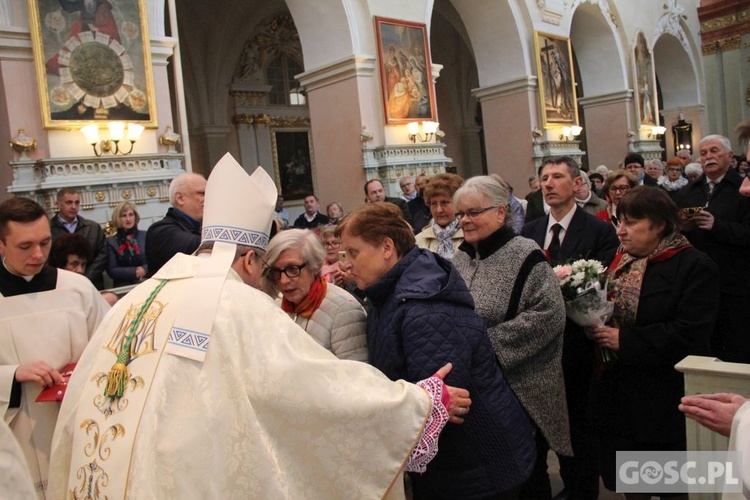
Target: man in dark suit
(568,233)
(374,191)
(418,209)
(722,230)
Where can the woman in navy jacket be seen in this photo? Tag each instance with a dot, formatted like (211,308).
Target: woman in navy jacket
(422,316)
(126,250)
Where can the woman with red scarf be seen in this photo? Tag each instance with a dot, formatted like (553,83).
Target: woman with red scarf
(666,297)
(126,250)
(329,314)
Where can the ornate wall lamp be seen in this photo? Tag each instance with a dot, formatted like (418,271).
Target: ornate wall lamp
(428,128)
(570,133)
(116,133)
(22,144)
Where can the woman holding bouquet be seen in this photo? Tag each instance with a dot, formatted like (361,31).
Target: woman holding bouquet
(666,298)
(517,294)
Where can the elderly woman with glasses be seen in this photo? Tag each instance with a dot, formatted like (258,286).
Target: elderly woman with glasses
(517,294)
(329,314)
(443,235)
(422,317)
(616,186)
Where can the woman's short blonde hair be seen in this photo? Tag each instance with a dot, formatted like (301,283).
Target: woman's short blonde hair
(124,207)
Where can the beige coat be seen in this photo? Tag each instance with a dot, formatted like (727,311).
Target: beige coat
(427,239)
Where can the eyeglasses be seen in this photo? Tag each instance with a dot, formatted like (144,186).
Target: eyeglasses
(619,189)
(332,244)
(274,274)
(474,212)
(677,169)
(407,184)
(441,204)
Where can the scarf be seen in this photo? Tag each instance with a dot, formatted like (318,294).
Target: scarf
(674,185)
(311,302)
(626,277)
(445,238)
(129,253)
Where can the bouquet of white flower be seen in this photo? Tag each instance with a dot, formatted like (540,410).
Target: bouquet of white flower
(584,287)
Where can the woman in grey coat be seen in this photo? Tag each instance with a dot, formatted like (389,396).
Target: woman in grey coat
(517,294)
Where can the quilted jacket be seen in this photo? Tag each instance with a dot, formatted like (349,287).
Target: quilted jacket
(423,317)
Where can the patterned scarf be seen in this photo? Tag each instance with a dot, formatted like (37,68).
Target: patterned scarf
(445,238)
(129,253)
(626,277)
(311,302)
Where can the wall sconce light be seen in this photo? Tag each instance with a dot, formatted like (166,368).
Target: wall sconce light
(657,132)
(570,133)
(682,134)
(116,133)
(428,128)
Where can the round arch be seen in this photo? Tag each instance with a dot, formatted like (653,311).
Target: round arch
(677,76)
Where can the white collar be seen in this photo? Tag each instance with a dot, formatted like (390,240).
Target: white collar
(564,222)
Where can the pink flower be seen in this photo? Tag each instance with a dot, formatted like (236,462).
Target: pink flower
(563,271)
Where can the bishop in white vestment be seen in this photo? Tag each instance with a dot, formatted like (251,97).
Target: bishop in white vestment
(224,395)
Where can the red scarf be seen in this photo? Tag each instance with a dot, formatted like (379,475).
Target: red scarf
(311,302)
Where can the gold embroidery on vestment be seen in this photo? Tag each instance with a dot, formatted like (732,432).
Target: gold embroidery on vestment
(143,341)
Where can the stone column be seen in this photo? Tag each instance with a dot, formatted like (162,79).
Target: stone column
(509,116)
(608,119)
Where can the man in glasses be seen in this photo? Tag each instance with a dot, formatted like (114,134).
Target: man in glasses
(569,233)
(199,386)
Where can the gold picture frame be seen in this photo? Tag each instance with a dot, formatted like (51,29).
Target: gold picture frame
(645,82)
(293,162)
(405,71)
(92,62)
(556,80)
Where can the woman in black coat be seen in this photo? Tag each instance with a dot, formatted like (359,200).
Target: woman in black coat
(666,296)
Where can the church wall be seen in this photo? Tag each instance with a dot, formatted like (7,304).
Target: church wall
(337,147)
(507,126)
(608,124)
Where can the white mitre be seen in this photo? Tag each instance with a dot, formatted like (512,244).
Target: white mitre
(238,210)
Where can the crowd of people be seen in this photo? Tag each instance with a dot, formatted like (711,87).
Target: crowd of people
(425,332)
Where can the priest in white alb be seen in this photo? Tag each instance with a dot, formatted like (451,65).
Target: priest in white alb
(47,316)
(200,386)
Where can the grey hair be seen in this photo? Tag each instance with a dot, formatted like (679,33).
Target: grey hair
(305,241)
(716,137)
(694,168)
(179,185)
(585,178)
(658,163)
(486,187)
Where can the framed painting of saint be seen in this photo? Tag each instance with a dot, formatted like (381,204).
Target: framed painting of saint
(557,85)
(645,87)
(93,62)
(405,73)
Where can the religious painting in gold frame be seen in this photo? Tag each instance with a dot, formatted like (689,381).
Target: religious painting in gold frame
(92,62)
(645,83)
(293,162)
(556,80)
(405,72)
